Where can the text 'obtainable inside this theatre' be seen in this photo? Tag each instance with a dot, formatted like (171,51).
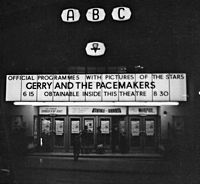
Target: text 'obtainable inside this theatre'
(97,87)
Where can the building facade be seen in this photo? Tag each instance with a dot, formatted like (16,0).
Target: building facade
(135,112)
(155,38)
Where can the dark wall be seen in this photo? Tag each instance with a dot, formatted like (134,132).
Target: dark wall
(162,36)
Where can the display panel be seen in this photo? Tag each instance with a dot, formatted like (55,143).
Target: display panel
(149,127)
(46,124)
(105,126)
(135,128)
(75,126)
(90,125)
(59,127)
(97,87)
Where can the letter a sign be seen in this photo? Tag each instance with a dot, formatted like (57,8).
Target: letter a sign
(70,15)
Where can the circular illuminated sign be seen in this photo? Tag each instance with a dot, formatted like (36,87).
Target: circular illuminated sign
(121,13)
(95,49)
(95,14)
(70,15)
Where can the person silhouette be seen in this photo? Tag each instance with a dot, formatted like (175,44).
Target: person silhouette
(84,140)
(76,146)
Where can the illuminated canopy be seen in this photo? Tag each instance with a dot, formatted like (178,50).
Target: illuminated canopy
(163,87)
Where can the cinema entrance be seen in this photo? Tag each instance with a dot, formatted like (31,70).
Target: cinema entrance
(123,129)
(79,124)
(144,129)
(50,129)
(109,120)
(109,127)
(52,133)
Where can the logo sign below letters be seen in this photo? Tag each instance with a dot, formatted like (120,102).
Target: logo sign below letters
(70,15)
(95,49)
(95,14)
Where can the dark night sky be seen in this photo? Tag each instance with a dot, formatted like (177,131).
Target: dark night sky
(162,36)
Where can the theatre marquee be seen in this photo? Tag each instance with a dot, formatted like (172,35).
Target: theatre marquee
(159,87)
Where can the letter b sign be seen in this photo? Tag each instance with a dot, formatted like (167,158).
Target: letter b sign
(95,14)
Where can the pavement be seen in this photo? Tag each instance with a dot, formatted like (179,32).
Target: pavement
(107,165)
(104,155)
(98,163)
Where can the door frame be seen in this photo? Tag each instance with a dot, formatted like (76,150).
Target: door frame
(70,128)
(81,127)
(107,146)
(142,130)
(94,129)
(60,148)
(54,148)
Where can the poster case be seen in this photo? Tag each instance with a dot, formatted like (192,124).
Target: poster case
(46,125)
(150,127)
(135,127)
(59,127)
(105,126)
(75,126)
(90,125)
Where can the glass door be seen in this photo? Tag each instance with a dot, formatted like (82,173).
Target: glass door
(89,123)
(58,129)
(150,129)
(85,126)
(119,135)
(46,134)
(105,126)
(75,128)
(135,132)
(144,133)
(52,133)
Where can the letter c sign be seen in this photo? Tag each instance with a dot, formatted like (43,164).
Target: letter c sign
(121,13)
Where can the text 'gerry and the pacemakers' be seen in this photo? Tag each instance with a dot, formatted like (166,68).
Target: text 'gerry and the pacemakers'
(97,87)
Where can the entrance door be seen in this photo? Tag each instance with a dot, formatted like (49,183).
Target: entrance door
(52,133)
(119,134)
(144,133)
(105,125)
(90,124)
(77,125)
(58,136)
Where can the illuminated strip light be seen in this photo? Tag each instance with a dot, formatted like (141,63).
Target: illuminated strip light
(96,103)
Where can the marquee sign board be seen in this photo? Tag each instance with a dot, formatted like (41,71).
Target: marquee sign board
(164,87)
(52,110)
(143,111)
(97,110)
